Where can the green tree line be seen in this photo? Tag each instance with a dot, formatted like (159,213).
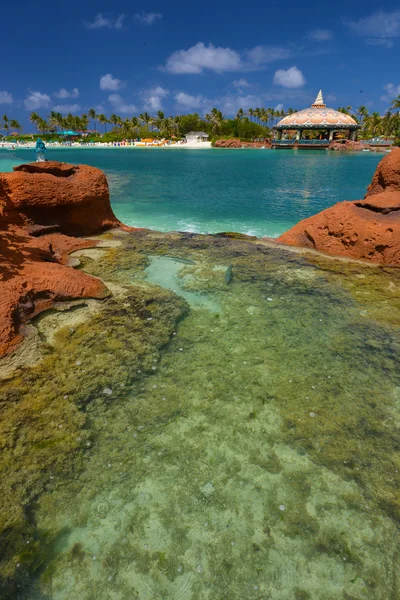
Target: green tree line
(255,122)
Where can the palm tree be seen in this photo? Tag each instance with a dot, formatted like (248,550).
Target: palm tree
(93,116)
(250,112)
(42,125)
(103,120)
(264,117)
(114,119)
(374,123)
(216,118)
(396,104)
(56,119)
(6,123)
(146,118)
(239,114)
(83,122)
(363,113)
(34,118)
(135,124)
(15,125)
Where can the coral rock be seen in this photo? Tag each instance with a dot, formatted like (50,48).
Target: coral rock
(39,204)
(235,143)
(364,229)
(347,146)
(73,198)
(387,175)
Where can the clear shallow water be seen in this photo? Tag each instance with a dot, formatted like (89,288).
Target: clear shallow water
(257,192)
(165,450)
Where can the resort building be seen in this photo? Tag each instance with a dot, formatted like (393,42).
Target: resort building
(193,137)
(316,126)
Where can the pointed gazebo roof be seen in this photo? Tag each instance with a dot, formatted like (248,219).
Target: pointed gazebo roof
(318,116)
(319,101)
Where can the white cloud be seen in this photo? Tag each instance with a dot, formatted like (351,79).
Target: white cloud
(262,55)
(279,106)
(147,18)
(153,98)
(67,108)
(120,106)
(387,42)
(63,93)
(240,83)
(201,57)
(108,82)
(378,29)
(36,100)
(320,35)
(291,78)
(101,22)
(188,101)
(392,91)
(6,98)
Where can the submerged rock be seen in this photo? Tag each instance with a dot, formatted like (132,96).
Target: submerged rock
(364,229)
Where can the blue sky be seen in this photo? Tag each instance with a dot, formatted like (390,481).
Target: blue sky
(127,57)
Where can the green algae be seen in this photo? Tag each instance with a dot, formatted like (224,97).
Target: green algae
(253,454)
(44,429)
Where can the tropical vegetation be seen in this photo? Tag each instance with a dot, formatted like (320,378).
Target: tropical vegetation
(249,124)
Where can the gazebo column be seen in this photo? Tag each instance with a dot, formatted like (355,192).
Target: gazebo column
(279,134)
(353,135)
(331,132)
(298,134)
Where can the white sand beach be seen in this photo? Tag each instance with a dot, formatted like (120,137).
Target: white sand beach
(111,145)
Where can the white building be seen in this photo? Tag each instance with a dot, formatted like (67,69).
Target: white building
(194,137)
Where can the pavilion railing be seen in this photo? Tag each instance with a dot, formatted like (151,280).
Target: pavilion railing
(292,142)
(313,142)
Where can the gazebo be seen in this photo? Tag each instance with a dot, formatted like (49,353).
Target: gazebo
(318,117)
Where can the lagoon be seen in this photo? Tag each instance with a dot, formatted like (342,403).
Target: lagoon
(257,192)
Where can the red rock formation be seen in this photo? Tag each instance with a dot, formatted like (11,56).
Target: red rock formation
(234,143)
(347,146)
(39,203)
(387,175)
(75,199)
(365,229)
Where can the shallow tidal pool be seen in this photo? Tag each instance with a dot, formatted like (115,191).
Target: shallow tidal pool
(224,426)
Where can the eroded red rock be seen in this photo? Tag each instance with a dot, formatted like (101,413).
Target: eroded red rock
(347,146)
(39,204)
(73,198)
(364,229)
(235,143)
(387,175)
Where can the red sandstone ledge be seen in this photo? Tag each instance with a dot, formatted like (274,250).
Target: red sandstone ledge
(43,206)
(366,229)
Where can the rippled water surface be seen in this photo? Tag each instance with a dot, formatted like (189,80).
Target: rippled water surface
(224,427)
(259,192)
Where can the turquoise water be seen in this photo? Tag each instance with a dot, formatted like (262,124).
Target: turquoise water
(258,192)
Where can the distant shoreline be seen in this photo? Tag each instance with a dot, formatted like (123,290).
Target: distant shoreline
(196,146)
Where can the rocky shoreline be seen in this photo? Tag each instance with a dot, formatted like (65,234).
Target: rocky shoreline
(44,207)
(366,229)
